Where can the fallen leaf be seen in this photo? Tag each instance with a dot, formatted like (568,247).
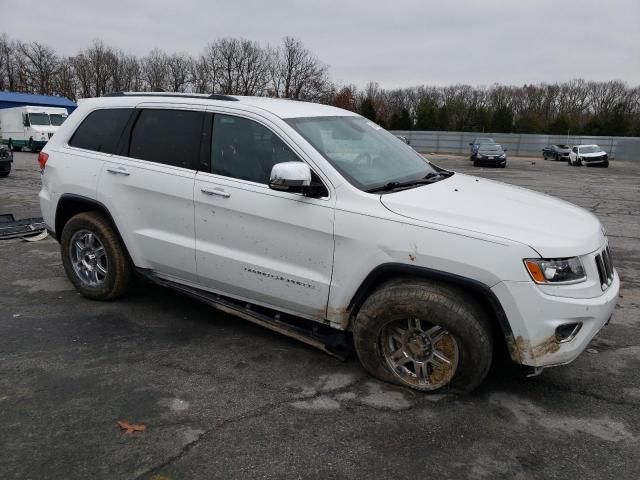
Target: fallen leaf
(130,428)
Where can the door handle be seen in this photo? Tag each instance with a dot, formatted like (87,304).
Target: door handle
(215,191)
(118,171)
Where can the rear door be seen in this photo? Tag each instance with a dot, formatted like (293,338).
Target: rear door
(148,188)
(268,247)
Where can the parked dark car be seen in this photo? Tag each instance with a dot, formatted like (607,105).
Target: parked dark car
(556,152)
(490,154)
(477,142)
(6,159)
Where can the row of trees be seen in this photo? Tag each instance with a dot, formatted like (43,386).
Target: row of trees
(577,106)
(290,70)
(228,65)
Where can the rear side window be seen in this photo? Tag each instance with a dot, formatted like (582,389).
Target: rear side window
(101,130)
(171,137)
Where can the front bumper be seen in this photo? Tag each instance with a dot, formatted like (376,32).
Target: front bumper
(595,161)
(5,164)
(534,316)
(490,161)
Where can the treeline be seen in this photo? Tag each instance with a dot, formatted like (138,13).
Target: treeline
(290,70)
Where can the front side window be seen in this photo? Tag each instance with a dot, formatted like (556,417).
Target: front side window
(39,119)
(101,130)
(364,153)
(170,137)
(246,150)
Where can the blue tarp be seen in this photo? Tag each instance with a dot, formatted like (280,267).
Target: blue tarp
(14,99)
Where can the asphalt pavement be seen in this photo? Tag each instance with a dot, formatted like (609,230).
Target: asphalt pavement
(221,398)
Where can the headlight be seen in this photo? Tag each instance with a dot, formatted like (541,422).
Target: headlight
(557,270)
(504,155)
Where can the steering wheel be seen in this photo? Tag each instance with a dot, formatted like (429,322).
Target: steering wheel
(363,159)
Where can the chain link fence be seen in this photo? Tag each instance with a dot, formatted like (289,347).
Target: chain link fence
(518,144)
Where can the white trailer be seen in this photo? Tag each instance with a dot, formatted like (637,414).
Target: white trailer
(30,126)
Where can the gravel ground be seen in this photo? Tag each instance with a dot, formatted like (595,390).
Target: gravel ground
(222,398)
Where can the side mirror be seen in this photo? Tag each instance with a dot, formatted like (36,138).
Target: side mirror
(290,177)
(471,143)
(504,150)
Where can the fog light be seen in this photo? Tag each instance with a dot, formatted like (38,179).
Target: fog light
(567,332)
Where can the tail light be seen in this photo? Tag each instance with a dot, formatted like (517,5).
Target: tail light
(42,160)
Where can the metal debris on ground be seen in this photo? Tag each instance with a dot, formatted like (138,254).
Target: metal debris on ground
(31,229)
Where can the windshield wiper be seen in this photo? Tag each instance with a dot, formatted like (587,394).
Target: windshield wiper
(431,177)
(443,174)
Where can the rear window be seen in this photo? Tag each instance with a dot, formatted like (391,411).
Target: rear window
(171,137)
(101,130)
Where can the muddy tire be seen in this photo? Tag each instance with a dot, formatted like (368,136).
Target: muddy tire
(94,258)
(406,332)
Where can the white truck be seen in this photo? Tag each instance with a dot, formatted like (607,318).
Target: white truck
(30,126)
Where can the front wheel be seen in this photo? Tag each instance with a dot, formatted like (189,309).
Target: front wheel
(425,336)
(94,258)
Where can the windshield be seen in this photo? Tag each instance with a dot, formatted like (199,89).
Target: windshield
(57,119)
(39,119)
(592,149)
(483,140)
(493,147)
(364,153)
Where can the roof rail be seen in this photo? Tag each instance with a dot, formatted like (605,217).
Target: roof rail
(213,96)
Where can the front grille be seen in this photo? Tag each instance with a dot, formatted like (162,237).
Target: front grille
(605,268)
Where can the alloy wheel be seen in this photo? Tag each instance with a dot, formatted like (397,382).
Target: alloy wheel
(422,355)
(88,258)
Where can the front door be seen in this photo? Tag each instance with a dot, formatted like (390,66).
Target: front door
(268,247)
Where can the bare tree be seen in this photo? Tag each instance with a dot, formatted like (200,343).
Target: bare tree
(179,66)
(65,80)
(296,72)
(40,67)
(155,70)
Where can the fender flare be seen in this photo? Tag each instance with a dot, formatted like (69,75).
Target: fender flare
(481,291)
(82,204)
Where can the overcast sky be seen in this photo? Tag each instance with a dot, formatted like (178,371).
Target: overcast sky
(396,43)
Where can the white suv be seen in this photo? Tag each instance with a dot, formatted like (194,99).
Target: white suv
(317,223)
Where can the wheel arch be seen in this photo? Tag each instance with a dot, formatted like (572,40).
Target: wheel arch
(480,292)
(71,204)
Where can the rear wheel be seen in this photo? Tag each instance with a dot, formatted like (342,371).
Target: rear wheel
(94,258)
(424,336)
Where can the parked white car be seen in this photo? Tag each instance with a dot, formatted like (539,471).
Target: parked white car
(588,155)
(315,222)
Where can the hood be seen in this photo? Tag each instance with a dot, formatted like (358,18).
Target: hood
(594,154)
(488,153)
(552,227)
